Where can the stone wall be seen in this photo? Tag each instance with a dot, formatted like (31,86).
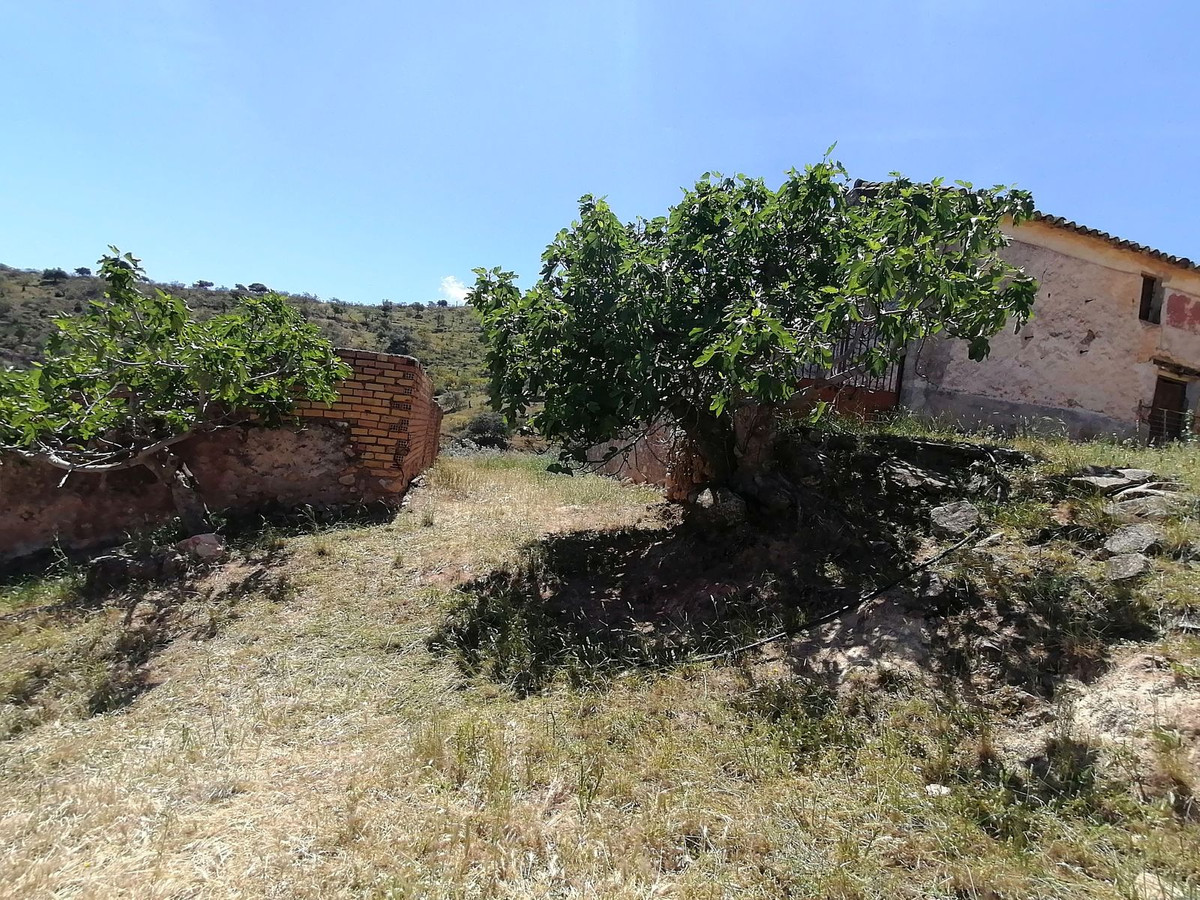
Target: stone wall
(1085,362)
(659,455)
(365,448)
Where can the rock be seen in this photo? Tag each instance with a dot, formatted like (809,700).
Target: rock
(914,478)
(1148,886)
(1153,508)
(1101,484)
(347,479)
(931,587)
(992,539)
(954,519)
(945,455)
(1135,539)
(1152,489)
(770,491)
(171,563)
(1136,475)
(987,481)
(1126,566)
(206,548)
(721,506)
(937,790)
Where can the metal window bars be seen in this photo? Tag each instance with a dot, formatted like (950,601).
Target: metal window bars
(860,338)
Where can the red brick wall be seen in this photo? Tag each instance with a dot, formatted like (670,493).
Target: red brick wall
(368,446)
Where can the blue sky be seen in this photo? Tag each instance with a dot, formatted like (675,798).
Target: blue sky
(367,149)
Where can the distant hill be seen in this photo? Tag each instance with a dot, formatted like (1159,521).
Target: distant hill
(447,340)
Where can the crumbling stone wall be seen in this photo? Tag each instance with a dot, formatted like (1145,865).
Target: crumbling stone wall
(367,447)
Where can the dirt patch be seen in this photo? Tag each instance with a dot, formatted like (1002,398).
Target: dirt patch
(1139,707)
(888,632)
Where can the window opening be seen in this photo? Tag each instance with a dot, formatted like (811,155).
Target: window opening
(1150,309)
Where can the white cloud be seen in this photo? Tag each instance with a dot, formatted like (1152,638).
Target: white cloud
(453,290)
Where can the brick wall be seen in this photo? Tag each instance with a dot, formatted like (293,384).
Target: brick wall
(367,447)
(394,422)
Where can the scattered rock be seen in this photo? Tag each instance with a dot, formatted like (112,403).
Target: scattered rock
(885,634)
(1136,475)
(992,539)
(1154,508)
(932,586)
(721,506)
(987,481)
(946,455)
(1149,886)
(206,548)
(1126,566)
(1135,539)
(914,478)
(172,563)
(772,492)
(1152,489)
(954,519)
(1101,484)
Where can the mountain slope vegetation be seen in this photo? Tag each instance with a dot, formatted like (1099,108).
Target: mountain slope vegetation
(447,339)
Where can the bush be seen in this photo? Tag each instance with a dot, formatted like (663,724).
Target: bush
(488,429)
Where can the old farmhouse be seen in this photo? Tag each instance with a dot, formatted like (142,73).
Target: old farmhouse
(1113,348)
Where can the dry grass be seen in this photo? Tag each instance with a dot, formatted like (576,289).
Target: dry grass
(307,743)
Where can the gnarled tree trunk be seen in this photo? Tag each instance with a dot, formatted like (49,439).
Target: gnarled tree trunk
(189,505)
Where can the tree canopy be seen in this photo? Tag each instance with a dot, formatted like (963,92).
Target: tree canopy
(135,374)
(725,300)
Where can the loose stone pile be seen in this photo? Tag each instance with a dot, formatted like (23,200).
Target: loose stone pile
(1141,498)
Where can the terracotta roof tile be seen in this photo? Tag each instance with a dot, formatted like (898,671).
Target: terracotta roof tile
(1068,225)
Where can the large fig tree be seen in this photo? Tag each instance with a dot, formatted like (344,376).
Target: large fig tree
(135,374)
(737,291)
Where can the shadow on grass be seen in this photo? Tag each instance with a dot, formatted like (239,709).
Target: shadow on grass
(259,534)
(89,653)
(1031,630)
(836,518)
(590,604)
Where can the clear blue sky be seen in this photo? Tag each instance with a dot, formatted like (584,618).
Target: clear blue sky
(367,149)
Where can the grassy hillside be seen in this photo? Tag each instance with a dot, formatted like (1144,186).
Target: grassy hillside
(446,340)
(347,712)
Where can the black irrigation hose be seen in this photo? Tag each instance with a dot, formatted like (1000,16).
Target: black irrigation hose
(842,610)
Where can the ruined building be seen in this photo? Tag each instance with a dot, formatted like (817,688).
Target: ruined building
(1113,348)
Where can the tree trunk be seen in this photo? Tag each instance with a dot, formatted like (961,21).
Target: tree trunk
(745,470)
(189,505)
(714,438)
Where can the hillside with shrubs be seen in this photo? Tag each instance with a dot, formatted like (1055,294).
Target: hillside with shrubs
(446,339)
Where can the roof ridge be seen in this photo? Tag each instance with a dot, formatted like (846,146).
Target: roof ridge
(1125,243)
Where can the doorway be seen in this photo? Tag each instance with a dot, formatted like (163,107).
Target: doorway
(1167,410)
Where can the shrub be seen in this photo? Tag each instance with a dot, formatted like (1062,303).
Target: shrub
(489,429)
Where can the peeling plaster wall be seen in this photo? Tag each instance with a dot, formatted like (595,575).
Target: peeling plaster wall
(366,447)
(1085,359)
